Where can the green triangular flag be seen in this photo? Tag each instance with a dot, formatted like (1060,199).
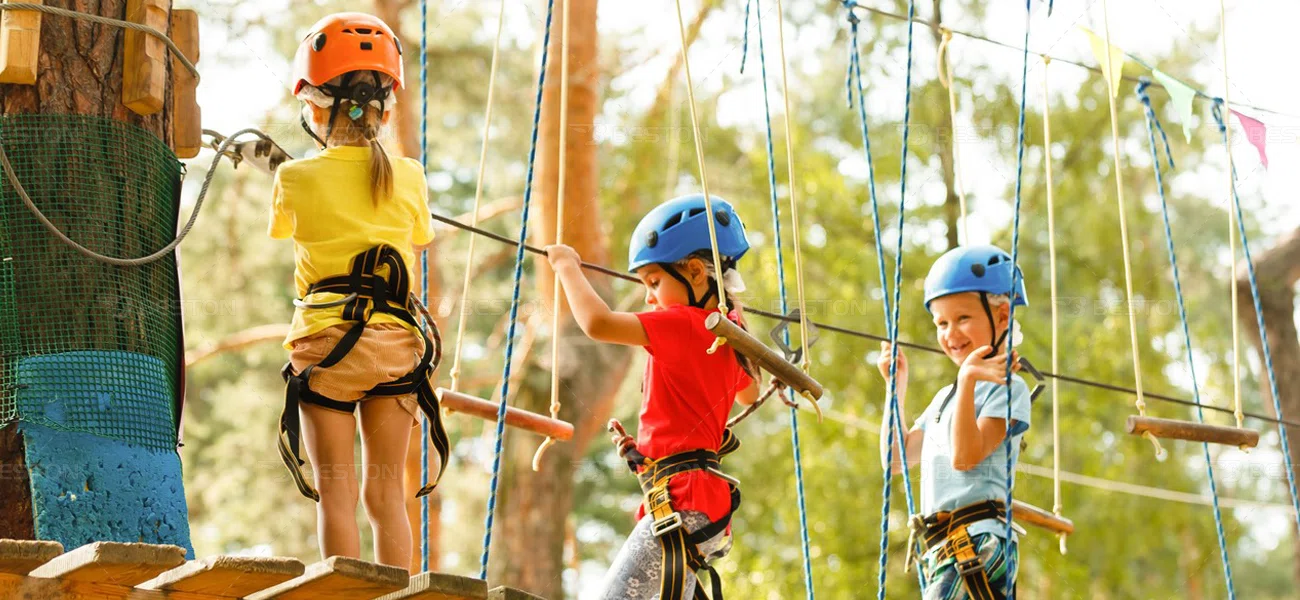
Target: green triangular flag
(1181,96)
(1115,65)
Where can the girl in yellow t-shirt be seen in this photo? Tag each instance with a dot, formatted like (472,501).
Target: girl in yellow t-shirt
(355,217)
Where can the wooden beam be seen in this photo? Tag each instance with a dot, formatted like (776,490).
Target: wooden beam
(339,578)
(226,576)
(144,57)
(19,557)
(515,417)
(20,44)
(767,359)
(187,117)
(113,563)
(1193,432)
(1029,514)
(441,586)
(505,593)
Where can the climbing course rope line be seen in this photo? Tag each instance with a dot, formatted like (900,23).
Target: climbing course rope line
(699,157)
(560,199)
(424,272)
(896,428)
(1219,119)
(1153,124)
(1111,91)
(1058,505)
(514,299)
(945,78)
(1015,258)
(809,590)
(1232,231)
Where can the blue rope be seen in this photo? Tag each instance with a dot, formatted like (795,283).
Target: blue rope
(1153,124)
(1015,272)
(1259,321)
(892,320)
(780,270)
(744,55)
(424,270)
(514,299)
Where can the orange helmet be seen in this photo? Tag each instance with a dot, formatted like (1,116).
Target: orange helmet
(345,42)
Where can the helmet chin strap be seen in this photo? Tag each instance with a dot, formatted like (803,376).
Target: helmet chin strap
(997,339)
(342,92)
(714,290)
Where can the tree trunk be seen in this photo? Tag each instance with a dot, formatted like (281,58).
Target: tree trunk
(530,534)
(1277,270)
(406,129)
(951,202)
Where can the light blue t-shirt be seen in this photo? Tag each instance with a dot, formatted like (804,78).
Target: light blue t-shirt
(944,488)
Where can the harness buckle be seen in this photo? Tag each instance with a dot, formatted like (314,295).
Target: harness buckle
(666,524)
(970,566)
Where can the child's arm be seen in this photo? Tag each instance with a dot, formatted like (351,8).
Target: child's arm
(749,395)
(589,309)
(973,440)
(914,436)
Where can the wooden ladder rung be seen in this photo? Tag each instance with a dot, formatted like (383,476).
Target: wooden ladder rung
(768,359)
(441,586)
(19,557)
(522,419)
(1024,512)
(1193,432)
(226,576)
(339,578)
(112,563)
(505,593)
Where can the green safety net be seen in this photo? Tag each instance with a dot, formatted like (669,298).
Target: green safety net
(84,345)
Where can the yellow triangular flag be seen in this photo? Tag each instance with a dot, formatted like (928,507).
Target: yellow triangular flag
(1114,65)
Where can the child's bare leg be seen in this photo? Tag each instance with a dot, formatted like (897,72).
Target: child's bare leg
(328,435)
(385,436)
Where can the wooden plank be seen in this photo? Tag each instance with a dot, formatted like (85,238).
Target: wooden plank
(339,578)
(113,563)
(521,419)
(187,117)
(144,57)
(766,358)
(1023,512)
(441,586)
(39,588)
(505,593)
(1193,432)
(19,557)
(226,576)
(20,44)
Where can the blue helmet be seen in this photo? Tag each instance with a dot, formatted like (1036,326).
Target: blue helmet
(677,228)
(975,269)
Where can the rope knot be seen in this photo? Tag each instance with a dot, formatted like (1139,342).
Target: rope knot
(1217,110)
(853,17)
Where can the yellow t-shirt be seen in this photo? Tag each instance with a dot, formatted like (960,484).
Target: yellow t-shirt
(323,203)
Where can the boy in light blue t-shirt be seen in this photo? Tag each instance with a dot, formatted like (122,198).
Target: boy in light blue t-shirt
(960,439)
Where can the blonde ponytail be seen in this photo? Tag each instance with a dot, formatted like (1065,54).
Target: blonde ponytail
(381,168)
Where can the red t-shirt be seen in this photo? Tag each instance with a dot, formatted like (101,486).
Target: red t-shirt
(688,395)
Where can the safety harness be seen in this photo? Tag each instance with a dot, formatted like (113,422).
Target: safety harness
(947,531)
(681,554)
(366,293)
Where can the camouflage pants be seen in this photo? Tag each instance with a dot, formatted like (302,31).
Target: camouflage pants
(635,574)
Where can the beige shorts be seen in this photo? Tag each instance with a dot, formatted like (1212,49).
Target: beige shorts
(383,353)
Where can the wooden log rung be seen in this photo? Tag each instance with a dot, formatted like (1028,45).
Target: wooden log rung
(441,586)
(767,359)
(505,593)
(19,557)
(1193,432)
(339,578)
(226,576)
(113,563)
(515,417)
(1029,514)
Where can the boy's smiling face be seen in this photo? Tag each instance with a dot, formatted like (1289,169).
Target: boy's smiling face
(961,325)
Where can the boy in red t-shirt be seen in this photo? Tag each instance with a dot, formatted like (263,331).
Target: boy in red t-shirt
(687,395)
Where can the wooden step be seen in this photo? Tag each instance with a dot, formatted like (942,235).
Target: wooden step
(441,586)
(113,563)
(339,578)
(19,557)
(505,593)
(226,576)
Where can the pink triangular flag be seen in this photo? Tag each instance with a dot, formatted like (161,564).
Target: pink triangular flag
(1256,133)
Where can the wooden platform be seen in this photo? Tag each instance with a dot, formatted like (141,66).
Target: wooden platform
(36,570)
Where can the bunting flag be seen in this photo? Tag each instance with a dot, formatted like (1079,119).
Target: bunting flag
(1114,65)
(1181,96)
(1256,133)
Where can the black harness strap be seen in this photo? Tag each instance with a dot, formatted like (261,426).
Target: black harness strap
(372,294)
(948,531)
